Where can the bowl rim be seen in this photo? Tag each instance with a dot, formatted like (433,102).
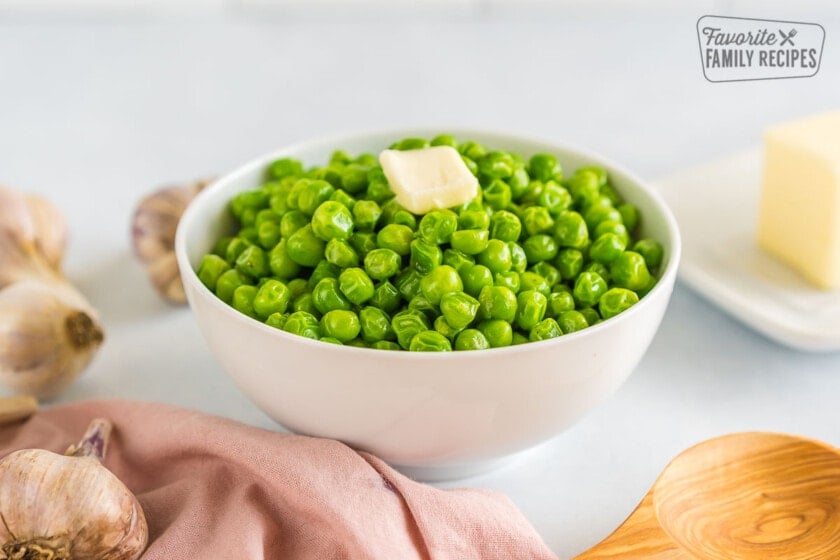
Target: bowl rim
(666,278)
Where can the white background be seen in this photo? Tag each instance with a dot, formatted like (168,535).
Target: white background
(102,102)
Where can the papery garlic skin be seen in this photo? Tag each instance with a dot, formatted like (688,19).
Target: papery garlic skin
(69,507)
(48,335)
(153,236)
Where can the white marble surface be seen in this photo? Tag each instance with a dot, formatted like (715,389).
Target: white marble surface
(94,112)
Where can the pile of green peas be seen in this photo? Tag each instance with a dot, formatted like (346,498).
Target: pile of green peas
(327,253)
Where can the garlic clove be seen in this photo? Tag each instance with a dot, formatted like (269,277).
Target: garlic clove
(15,409)
(153,229)
(50,229)
(68,506)
(48,335)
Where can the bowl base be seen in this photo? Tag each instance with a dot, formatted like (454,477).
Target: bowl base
(455,472)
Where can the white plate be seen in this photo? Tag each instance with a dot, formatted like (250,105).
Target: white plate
(716,205)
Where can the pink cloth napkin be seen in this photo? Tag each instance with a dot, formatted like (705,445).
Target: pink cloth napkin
(214,488)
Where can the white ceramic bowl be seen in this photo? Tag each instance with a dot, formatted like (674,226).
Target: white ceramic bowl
(436,415)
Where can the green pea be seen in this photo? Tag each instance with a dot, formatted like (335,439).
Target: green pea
(366,159)
(437,226)
(421,303)
(475,278)
(610,226)
(473,219)
(366,214)
(340,324)
(457,260)
(278,204)
(332,220)
(443,327)
(589,287)
(408,323)
(584,186)
(291,222)
(509,280)
(518,257)
(227,284)
(471,165)
(253,200)
(284,167)
(496,256)
(471,339)
(263,216)
(545,330)
(571,231)
(234,249)
(555,198)
(297,286)
(305,248)
(571,321)
(358,343)
(531,193)
(396,237)
(386,297)
(470,241)
(616,300)
(497,302)
(312,195)
(404,218)
(547,272)
(326,296)
(539,248)
(243,299)
(472,149)
(496,165)
(221,246)
(429,341)
(342,197)
(340,157)
(596,214)
(505,226)
(341,254)
(305,302)
(497,195)
(533,281)
(530,309)
(382,263)
(459,309)
(537,219)
(356,286)
(599,172)
(410,144)
(249,234)
(440,281)
(385,345)
(302,323)
(210,269)
(545,167)
(591,315)
(280,263)
(558,302)
(252,262)
(569,263)
(518,183)
(629,216)
(651,250)
(277,320)
(331,340)
(378,188)
(630,271)
(498,332)
(268,234)
(444,140)
(354,178)
(600,269)
(425,256)
(323,269)
(408,283)
(272,297)
(606,248)
(363,242)
(376,325)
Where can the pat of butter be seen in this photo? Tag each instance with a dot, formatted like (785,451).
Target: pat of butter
(799,214)
(428,178)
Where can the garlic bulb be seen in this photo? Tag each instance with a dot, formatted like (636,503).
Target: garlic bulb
(153,234)
(62,507)
(48,330)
